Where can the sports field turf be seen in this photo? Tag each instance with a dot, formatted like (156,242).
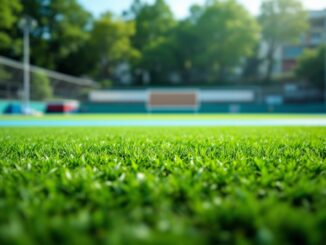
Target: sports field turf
(163,185)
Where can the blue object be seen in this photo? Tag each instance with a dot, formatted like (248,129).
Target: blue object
(14,108)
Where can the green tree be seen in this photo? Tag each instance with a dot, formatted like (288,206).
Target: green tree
(5,82)
(311,66)
(215,38)
(282,21)
(251,66)
(154,24)
(110,45)
(62,30)
(186,49)
(5,76)
(40,87)
(9,12)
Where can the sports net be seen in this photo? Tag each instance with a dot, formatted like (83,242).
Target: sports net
(44,84)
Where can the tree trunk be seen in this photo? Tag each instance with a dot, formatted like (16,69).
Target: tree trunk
(8,91)
(222,76)
(270,60)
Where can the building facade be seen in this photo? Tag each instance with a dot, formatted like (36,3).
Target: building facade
(287,55)
(315,37)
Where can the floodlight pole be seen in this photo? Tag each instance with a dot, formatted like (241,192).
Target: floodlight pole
(26,24)
(26,96)
(325,57)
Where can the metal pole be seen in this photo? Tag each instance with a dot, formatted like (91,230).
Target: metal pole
(26,96)
(325,56)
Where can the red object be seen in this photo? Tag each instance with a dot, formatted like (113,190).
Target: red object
(289,65)
(63,107)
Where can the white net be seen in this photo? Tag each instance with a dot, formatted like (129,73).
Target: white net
(45,84)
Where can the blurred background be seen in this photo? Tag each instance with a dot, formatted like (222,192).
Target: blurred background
(137,56)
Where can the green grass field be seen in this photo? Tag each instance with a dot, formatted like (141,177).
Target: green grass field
(163,185)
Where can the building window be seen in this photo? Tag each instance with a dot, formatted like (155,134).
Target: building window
(316,38)
(292,52)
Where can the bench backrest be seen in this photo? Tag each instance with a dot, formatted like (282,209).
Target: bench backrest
(177,100)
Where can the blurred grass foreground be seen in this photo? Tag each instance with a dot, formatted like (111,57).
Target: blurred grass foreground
(159,185)
(162,185)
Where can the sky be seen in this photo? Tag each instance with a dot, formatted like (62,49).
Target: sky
(180,7)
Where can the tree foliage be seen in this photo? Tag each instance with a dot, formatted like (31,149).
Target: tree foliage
(9,10)
(205,47)
(201,48)
(225,32)
(311,66)
(40,86)
(62,29)
(111,44)
(154,23)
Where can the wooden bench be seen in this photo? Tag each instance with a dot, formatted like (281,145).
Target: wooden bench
(173,100)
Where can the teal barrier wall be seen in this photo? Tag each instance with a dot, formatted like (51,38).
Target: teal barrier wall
(94,108)
(206,108)
(263,108)
(113,108)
